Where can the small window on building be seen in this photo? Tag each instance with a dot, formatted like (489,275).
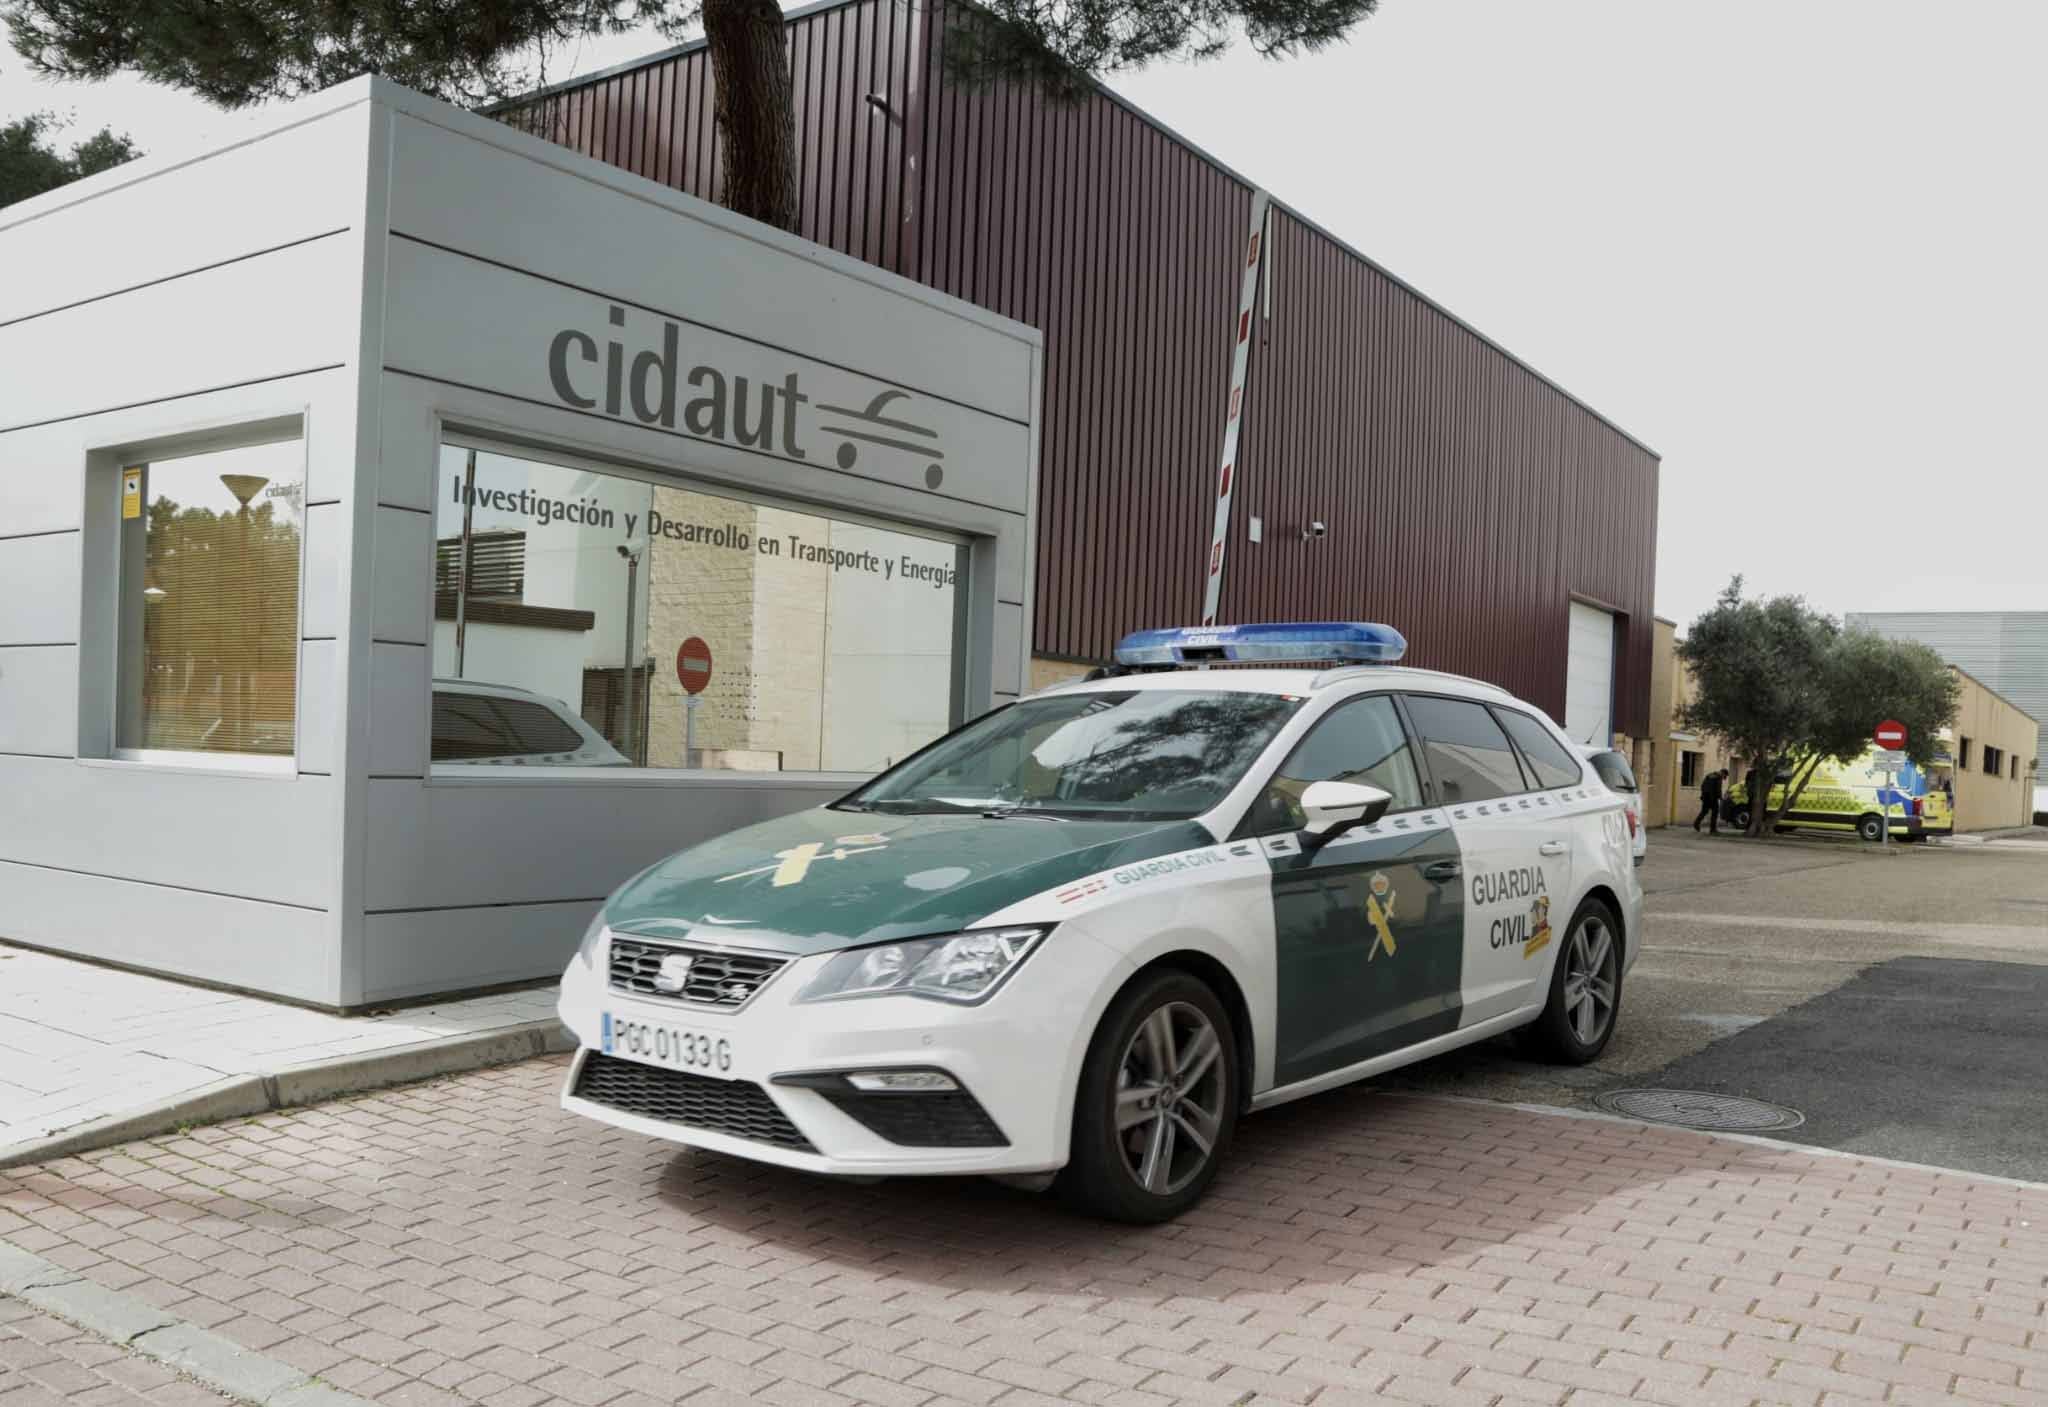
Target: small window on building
(2015,769)
(1689,768)
(209,615)
(1994,759)
(1546,756)
(1963,753)
(1469,756)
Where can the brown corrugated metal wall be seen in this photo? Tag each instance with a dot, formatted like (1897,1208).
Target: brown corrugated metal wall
(1467,499)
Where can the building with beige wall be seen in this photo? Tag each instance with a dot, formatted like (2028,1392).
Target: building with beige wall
(1989,755)
(1672,760)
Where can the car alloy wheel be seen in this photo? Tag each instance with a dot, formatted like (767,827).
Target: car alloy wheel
(1170,1098)
(1591,958)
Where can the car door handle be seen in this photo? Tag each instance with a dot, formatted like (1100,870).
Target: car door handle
(1443,871)
(1551,847)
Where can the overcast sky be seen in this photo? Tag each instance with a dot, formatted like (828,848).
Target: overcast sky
(1799,247)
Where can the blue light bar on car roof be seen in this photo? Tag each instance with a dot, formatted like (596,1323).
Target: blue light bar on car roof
(1300,642)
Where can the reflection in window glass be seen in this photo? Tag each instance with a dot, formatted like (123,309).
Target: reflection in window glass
(1546,756)
(1360,742)
(1468,754)
(1148,754)
(210,601)
(833,646)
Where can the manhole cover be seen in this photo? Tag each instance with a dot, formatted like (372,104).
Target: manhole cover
(1693,1109)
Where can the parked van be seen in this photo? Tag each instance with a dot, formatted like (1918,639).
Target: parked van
(1851,795)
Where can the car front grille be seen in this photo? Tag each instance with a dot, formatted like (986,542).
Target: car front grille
(716,979)
(736,1108)
(951,1120)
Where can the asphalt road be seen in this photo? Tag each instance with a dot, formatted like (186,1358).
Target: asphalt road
(1893,997)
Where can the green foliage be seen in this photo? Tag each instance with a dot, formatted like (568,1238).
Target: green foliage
(30,165)
(1058,46)
(1779,681)
(475,52)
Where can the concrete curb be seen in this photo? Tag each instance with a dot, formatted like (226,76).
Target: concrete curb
(297,1085)
(140,1327)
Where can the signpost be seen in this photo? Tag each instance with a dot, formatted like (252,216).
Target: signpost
(693,672)
(1891,736)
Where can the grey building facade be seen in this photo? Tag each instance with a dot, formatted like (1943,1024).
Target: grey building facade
(2007,650)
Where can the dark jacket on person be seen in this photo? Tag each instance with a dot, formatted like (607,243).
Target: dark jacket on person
(1710,789)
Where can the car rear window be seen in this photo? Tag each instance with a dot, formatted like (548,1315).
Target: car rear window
(1554,767)
(1614,770)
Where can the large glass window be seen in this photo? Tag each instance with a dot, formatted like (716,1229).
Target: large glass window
(1362,742)
(209,638)
(1468,754)
(1152,754)
(584,618)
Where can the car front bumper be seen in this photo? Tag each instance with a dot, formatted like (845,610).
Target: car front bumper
(1016,1057)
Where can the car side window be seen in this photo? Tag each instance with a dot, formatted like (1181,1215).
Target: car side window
(1361,741)
(1469,756)
(1546,756)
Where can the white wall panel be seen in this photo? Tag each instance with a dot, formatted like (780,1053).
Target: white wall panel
(460,319)
(237,942)
(1008,661)
(264,837)
(319,676)
(407,955)
(321,607)
(402,586)
(1589,676)
(450,844)
(39,590)
(42,468)
(399,707)
(287,311)
(532,205)
(159,217)
(38,702)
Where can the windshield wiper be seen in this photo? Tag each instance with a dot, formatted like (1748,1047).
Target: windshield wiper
(1037,812)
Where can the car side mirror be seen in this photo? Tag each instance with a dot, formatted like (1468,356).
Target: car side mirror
(1335,807)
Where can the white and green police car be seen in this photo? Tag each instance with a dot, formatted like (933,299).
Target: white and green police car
(1085,932)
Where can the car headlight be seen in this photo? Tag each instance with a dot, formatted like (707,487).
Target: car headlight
(593,940)
(960,967)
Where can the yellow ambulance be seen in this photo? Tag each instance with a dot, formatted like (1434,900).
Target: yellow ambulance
(1851,794)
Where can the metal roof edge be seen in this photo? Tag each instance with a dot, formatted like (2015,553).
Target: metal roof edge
(819,6)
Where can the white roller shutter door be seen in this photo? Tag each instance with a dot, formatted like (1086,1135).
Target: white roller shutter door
(1589,676)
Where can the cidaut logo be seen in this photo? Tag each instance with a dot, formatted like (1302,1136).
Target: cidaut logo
(652,386)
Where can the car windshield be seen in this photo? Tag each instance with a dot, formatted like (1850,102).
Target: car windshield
(1135,754)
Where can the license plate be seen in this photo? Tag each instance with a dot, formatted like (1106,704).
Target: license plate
(672,1047)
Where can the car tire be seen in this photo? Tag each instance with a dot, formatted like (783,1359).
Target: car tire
(1132,1160)
(1741,819)
(1870,827)
(1563,1034)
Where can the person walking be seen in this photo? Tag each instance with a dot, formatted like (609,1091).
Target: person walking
(1710,802)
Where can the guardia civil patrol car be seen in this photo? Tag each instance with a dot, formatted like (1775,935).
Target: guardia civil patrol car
(1086,932)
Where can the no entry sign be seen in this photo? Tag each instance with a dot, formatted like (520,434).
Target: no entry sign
(693,665)
(1890,734)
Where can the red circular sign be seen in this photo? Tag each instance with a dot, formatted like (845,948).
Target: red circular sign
(693,665)
(1891,734)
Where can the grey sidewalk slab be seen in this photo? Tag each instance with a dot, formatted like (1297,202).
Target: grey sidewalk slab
(91,1055)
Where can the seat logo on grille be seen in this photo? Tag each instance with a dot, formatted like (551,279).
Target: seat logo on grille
(673,973)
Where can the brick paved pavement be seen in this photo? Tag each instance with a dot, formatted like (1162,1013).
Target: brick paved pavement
(45,1362)
(465,1242)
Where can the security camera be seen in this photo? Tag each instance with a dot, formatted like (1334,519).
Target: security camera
(1313,530)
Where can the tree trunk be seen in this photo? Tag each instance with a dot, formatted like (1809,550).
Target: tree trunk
(1762,770)
(1794,789)
(756,113)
